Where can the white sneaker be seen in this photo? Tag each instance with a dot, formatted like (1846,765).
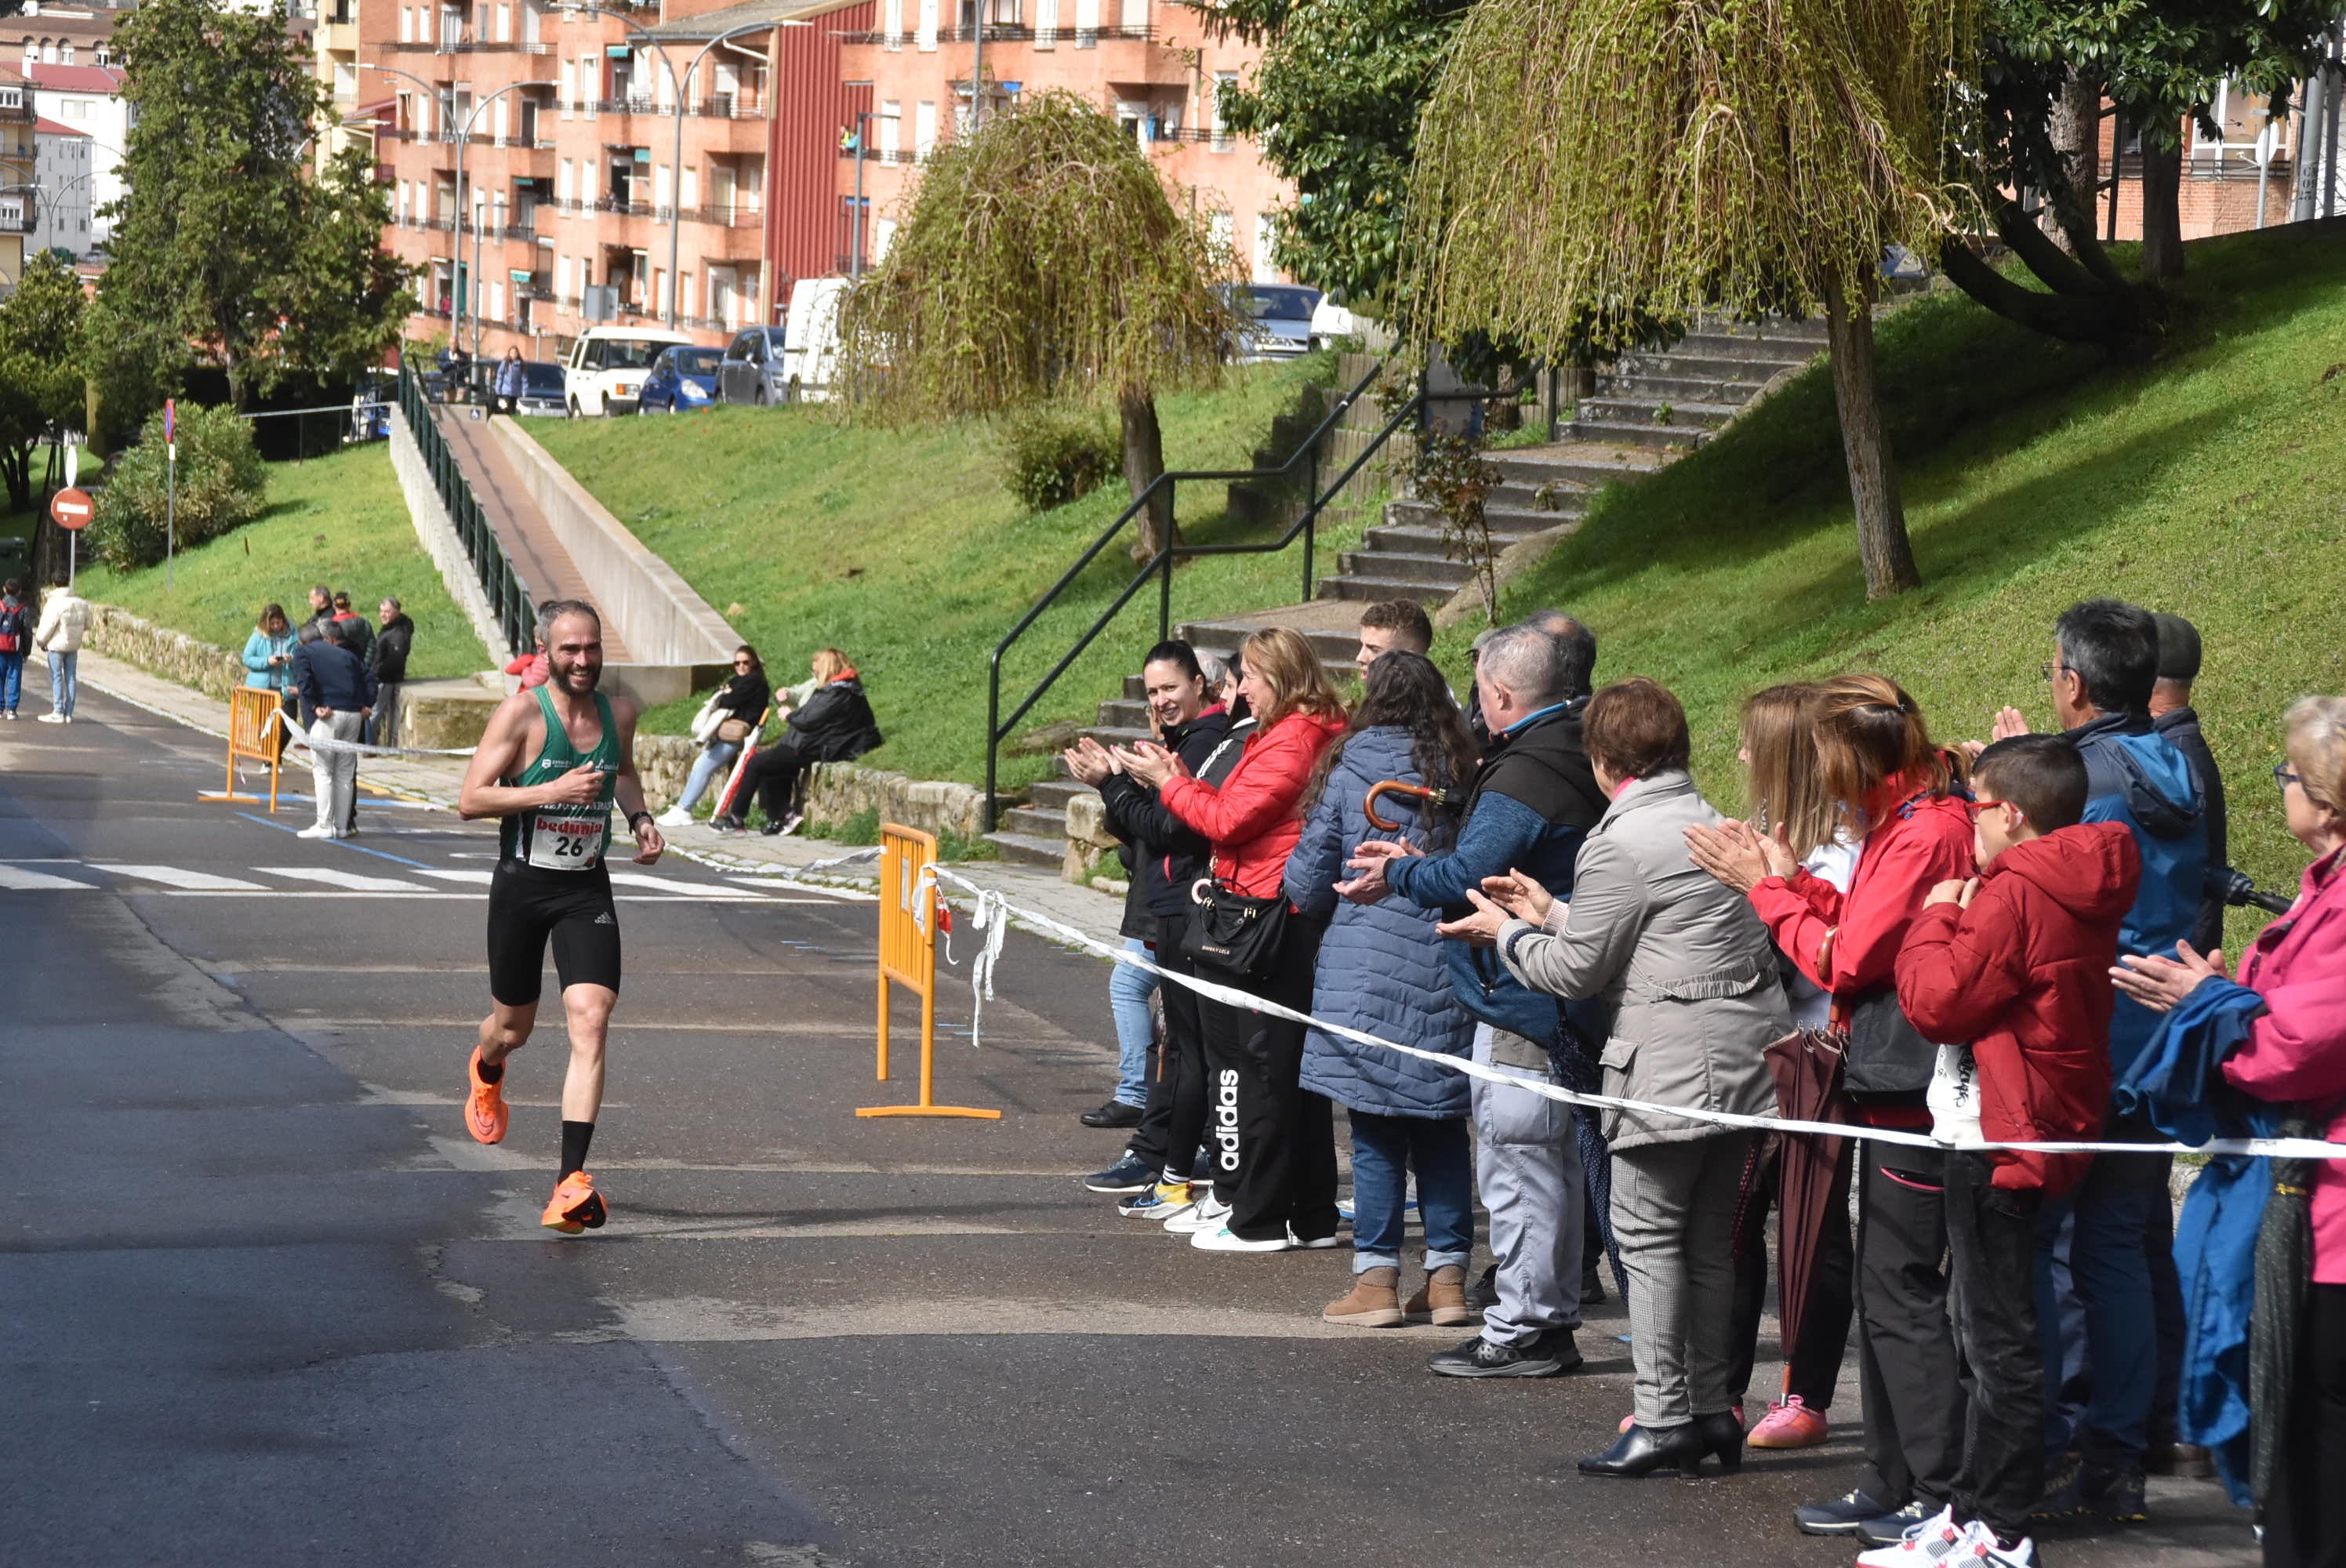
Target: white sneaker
(1160,1202)
(1938,1538)
(1984,1553)
(1206,1216)
(1297,1242)
(320,831)
(674,816)
(1222,1239)
(53,719)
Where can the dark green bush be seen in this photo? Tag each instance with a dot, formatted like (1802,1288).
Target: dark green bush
(1052,456)
(221,485)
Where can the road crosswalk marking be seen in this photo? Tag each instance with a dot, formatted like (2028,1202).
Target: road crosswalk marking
(175,876)
(458,874)
(18,879)
(352,880)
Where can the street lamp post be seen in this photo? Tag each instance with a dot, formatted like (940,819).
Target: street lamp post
(445,106)
(463,140)
(864,118)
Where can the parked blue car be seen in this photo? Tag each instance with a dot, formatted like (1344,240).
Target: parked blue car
(682,378)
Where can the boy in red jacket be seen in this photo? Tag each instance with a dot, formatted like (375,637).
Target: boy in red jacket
(2016,962)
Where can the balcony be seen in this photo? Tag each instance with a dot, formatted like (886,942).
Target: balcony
(15,107)
(1010,33)
(20,219)
(735,217)
(880,155)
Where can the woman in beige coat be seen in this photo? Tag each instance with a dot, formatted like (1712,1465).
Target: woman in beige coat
(1689,977)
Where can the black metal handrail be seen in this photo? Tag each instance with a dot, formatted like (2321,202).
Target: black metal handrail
(509,597)
(1160,566)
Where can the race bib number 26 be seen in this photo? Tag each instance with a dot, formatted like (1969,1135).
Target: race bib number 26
(567,843)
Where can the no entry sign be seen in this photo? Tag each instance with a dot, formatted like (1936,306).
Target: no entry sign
(71,508)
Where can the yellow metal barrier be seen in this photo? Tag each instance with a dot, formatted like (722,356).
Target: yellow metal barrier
(908,955)
(250,709)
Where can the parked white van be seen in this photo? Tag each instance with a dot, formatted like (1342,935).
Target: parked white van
(604,372)
(810,329)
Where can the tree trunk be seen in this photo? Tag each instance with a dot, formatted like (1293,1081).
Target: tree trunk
(2112,320)
(1144,461)
(16,471)
(2074,128)
(2162,210)
(1882,542)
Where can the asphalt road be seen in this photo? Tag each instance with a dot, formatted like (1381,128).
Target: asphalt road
(265,1302)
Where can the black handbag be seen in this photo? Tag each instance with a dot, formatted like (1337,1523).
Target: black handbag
(1886,1054)
(1233,932)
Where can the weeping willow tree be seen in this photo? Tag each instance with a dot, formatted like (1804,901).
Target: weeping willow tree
(1584,162)
(1041,259)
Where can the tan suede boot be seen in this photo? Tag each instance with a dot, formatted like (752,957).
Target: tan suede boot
(1374,1303)
(1442,1299)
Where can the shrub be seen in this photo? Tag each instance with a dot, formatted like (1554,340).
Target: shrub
(220,486)
(1052,456)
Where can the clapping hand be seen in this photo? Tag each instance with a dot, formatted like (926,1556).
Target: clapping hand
(1520,896)
(2009,722)
(1956,891)
(1090,761)
(1151,764)
(2159,982)
(1368,863)
(1482,928)
(1739,855)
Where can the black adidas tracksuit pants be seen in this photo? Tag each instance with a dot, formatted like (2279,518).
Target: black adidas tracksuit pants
(1272,1145)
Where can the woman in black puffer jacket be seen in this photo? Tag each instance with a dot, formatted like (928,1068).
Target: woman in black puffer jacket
(834,726)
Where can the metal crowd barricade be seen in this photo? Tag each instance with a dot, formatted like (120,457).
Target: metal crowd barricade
(908,909)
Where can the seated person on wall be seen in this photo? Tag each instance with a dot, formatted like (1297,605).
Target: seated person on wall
(833,724)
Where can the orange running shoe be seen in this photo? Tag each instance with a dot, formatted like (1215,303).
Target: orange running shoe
(484,1108)
(574,1207)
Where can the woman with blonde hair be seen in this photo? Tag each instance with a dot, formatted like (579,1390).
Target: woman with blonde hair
(834,724)
(1876,762)
(2294,1052)
(1272,1144)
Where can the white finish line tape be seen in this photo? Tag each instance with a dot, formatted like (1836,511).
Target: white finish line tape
(992,909)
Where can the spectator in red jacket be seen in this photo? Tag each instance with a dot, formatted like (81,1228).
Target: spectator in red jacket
(2016,962)
(1272,1144)
(1896,789)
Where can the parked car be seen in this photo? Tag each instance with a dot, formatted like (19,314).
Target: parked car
(1331,323)
(543,386)
(681,378)
(604,372)
(1276,319)
(812,333)
(755,368)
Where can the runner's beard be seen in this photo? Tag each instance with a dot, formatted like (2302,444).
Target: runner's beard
(567,676)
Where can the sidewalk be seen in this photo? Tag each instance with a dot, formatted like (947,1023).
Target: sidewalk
(435,780)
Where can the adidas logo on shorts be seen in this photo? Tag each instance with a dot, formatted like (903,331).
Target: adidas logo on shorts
(604,919)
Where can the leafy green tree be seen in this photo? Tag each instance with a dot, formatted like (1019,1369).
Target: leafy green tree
(1040,260)
(1584,162)
(1334,105)
(220,485)
(224,249)
(40,372)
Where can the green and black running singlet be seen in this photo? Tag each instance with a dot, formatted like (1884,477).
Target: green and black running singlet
(564,837)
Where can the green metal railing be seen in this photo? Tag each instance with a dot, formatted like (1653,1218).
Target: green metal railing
(510,599)
(1304,460)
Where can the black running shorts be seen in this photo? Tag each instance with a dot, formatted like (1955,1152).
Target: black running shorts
(528,907)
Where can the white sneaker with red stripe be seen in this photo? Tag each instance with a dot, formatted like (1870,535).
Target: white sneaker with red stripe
(1937,1540)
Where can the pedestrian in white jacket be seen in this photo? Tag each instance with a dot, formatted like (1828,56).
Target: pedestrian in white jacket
(64,621)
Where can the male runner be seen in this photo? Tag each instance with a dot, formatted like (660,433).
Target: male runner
(551,763)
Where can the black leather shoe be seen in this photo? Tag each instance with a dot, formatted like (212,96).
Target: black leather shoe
(1481,1358)
(1722,1438)
(1641,1450)
(1115,1113)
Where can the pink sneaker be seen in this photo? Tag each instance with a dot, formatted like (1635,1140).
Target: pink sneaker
(1790,1424)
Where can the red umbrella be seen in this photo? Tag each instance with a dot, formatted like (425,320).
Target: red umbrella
(1806,1065)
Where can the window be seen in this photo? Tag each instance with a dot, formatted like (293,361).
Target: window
(929,25)
(1266,231)
(1135,16)
(1087,23)
(1046,24)
(924,128)
(884,234)
(892,124)
(891,20)
(563,184)
(65,55)
(1219,228)
(75,109)
(1225,84)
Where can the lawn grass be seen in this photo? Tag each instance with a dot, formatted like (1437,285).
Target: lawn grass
(339,519)
(905,549)
(2205,482)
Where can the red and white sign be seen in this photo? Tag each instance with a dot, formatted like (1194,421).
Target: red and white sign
(71,508)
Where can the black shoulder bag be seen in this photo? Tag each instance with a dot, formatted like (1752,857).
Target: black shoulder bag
(1886,1054)
(1233,932)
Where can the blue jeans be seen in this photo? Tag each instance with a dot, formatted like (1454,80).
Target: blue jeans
(714,759)
(1128,990)
(12,681)
(1384,1150)
(2114,1208)
(61,685)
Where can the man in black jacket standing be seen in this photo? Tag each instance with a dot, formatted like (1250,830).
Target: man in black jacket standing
(388,661)
(2172,715)
(1166,857)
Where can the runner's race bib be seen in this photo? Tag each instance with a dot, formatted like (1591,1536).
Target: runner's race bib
(567,843)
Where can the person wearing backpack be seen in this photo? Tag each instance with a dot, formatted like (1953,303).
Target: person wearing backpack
(15,632)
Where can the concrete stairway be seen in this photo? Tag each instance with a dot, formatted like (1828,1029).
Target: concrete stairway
(1647,411)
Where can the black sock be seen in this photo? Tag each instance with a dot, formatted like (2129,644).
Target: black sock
(575,1136)
(490,1075)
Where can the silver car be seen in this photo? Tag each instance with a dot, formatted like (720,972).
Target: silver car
(752,369)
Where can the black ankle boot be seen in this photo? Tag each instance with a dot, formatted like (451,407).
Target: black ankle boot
(1722,1437)
(1641,1450)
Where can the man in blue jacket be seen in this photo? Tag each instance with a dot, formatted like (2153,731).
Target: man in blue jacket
(340,693)
(2105,662)
(1533,801)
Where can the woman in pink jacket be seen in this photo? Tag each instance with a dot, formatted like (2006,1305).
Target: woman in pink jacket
(2296,1054)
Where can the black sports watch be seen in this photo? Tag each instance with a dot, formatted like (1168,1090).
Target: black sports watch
(636,817)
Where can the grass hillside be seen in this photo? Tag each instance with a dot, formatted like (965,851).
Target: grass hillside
(905,549)
(2207,482)
(339,520)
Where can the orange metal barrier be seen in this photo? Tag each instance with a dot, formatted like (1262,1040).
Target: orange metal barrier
(250,709)
(908,955)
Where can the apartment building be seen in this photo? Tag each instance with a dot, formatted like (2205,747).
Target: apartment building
(1155,65)
(85,98)
(563,125)
(59,35)
(62,168)
(19,205)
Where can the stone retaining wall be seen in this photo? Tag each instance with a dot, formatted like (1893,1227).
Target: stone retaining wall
(158,651)
(835,791)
